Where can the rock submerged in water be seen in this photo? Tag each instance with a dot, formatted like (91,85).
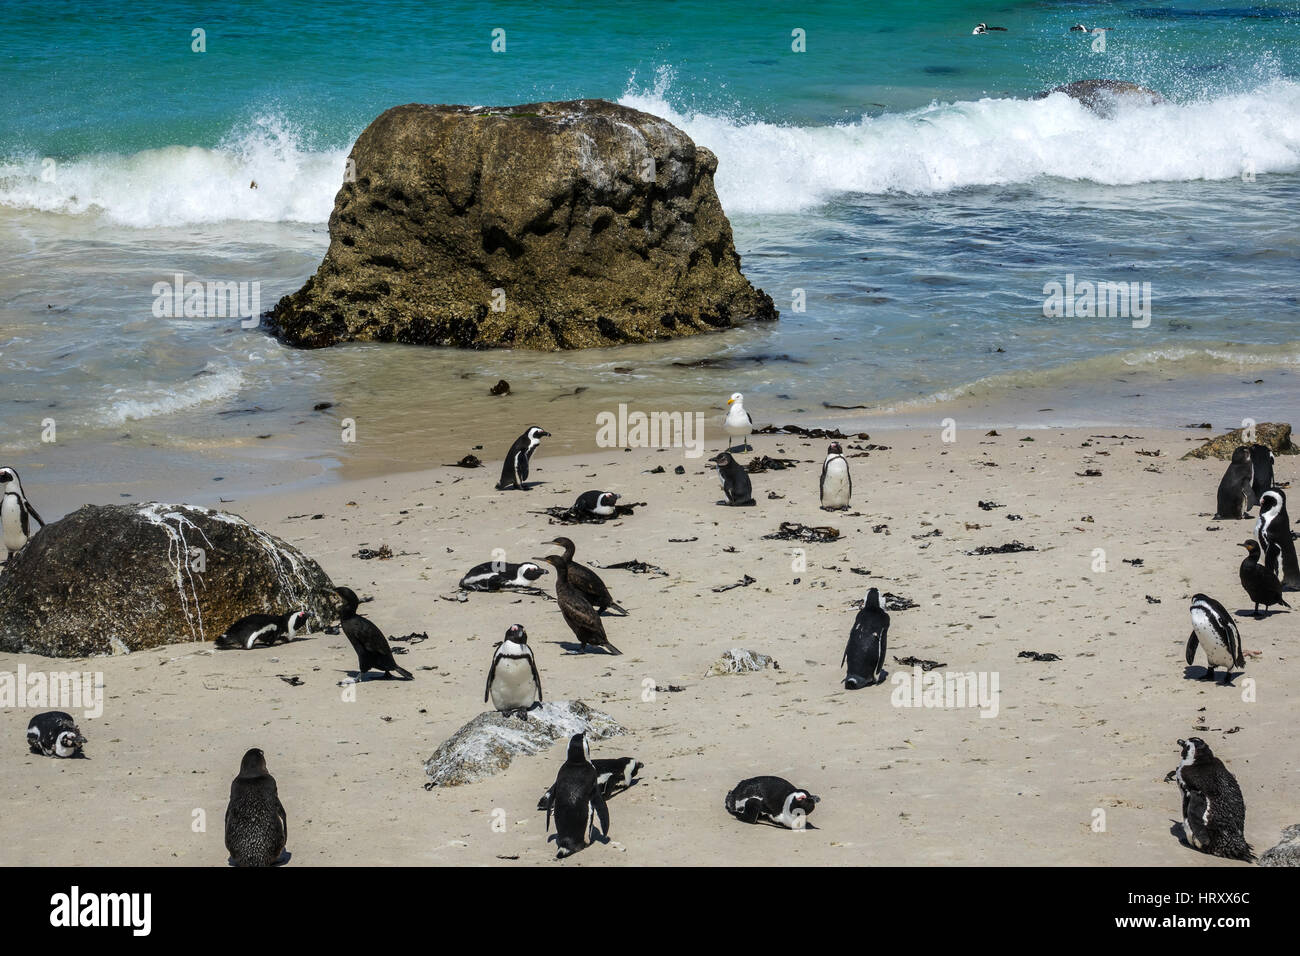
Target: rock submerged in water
(1286,853)
(491,741)
(112,579)
(739,660)
(1276,436)
(546,226)
(1104,96)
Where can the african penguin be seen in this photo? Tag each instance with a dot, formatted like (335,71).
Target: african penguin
(16,512)
(738,424)
(735,480)
(1234,487)
(575,797)
(865,652)
(267,629)
(1273,529)
(1216,632)
(982,28)
(514,470)
(1261,461)
(613,774)
(586,580)
(256,825)
(55,734)
(366,639)
(599,503)
(495,575)
(1214,812)
(583,619)
(770,798)
(513,682)
(836,484)
(1260,583)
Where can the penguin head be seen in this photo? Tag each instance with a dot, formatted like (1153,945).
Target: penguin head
(535,432)
(803,800)
(350,601)
(253,764)
(1270,500)
(295,620)
(10,477)
(872,600)
(68,743)
(1078,26)
(1240,455)
(517,634)
(834,449)
(579,749)
(723,460)
(980,28)
(606,499)
(1194,748)
(530,571)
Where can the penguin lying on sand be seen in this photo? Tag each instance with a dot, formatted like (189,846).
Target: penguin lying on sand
(772,799)
(498,575)
(55,734)
(265,629)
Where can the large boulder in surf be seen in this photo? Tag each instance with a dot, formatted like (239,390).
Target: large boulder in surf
(1275,436)
(1104,97)
(546,226)
(111,579)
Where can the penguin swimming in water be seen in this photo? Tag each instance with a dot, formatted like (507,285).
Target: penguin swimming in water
(599,503)
(1234,487)
(513,682)
(1214,811)
(735,480)
(865,652)
(55,734)
(738,423)
(1273,529)
(770,798)
(1261,461)
(366,639)
(613,774)
(16,512)
(836,483)
(576,797)
(514,470)
(582,618)
(496,575)
(1216,632)
(257,828)
(585,580)
(982,28)
(267,629)
(1260,583)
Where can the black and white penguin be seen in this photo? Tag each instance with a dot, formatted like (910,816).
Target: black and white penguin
(1273,529)
(600,503)
(1214,811)
(738,424)
(1216,632)
(735,480)
(496,575)
(583,619)
(1260,583)
(55,734)
(836,484)
(367,640)
(266,629)
(575,797)
(982,28)
(1261,460)
(865,652)
(514,470)
(513,682)
(613,774)
(1234,487)
(16,512)
(770,798)
(586,580)
(257,828)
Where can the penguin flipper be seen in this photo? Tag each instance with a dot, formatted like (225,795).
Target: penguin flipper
(1191,649)
(32,512)
(602,810)
(537,678)
(487,690)
(548,798)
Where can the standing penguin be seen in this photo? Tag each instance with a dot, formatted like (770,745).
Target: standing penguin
(55,734)
(1260,583)
(1234,487)
(613,774)
(1273,529)
(1261,461)
(586,580)
(1214,812)
(257,828)
(513,682)
(575,797)
(865,652)
(770,798)
(735,480)
(582,618)
(836,484)
(514,470)
(16,512)
(738,424)
(366,639)
(1216,632)
(266,628)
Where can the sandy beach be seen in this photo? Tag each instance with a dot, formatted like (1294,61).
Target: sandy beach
(1070,743)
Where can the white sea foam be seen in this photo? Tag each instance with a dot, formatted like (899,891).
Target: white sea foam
(150,399)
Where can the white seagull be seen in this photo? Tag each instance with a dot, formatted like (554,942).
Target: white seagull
(738,424)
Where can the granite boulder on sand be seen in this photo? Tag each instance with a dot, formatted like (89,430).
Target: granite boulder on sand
(545,226)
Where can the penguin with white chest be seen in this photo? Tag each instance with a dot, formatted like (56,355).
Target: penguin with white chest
(868,642)
(16,512)
(513,683)
(499,575)
(576,797)
(1273,529)
(1214,811)
(1214,630)
(514,470)
(268,629)
(836,483)
(613,774)
(736,485)
(602,504)
(770,798)
(55,734)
